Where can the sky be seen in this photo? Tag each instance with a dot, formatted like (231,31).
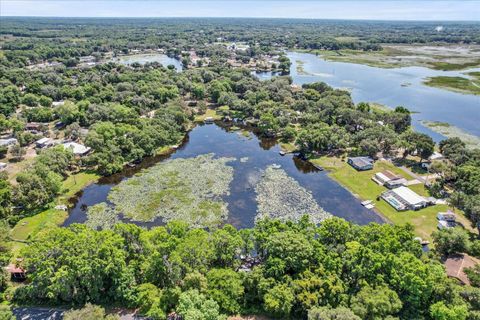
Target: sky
(436,10)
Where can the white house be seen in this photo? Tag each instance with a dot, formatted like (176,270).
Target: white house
(403,198)
(77,148)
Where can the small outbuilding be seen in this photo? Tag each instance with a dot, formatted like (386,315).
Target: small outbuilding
(3,165)
(446,216)
(443,224)
(77,148)
(16,273)
(403,198)
(361,163)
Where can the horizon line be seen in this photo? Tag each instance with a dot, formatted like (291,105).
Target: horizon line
(245,17)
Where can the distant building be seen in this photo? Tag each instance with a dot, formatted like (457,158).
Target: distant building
(403,198)
(389,179)
(33,127)
(361,163)
(77,148)
(8,142)
(58,103)
(44,143)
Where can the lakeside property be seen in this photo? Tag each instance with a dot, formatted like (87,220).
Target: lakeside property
(362,186)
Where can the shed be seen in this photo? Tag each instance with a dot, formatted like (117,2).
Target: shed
(16,273)
(361,163)
(446,216)
(3,165)
(436,156)
(389,179)
(443,224)
(457,263)
(403,198)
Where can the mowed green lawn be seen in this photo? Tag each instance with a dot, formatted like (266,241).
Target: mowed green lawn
(29,227)
(363,187)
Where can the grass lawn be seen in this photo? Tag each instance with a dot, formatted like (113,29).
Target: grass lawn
(364,188)
(288,147)
(209,113)
(75,183)
(28,227)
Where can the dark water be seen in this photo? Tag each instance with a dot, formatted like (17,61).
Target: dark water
(241,201)
(394,87)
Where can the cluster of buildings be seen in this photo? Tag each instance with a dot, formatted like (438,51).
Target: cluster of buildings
(398,195)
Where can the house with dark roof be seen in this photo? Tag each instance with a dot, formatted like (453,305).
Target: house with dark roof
(456,264)
(361,163)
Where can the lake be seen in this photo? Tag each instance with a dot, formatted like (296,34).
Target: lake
(143,58)
(242,205)
(393,87)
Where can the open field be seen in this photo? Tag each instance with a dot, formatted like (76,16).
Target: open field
(28,227)
(450,131)
(364,188)
(469,85)
(393,56)
(209,113)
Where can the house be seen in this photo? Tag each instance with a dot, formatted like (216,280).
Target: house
(446,216)
(44,143)
(389,179)
(58,103)
(77,148)
(361,163)
(33,127)
(457,263)
(403,198)
(8,142)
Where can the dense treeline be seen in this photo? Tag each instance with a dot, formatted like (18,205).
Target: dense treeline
(67,40)
(370,272)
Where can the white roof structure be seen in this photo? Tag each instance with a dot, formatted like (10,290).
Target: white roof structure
(436,156)
(43,140)
(3,165)
(77,148)
(408,195)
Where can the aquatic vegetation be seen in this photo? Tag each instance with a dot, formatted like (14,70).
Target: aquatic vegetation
(450,131)
(101,217)
(180,189)
(280,196)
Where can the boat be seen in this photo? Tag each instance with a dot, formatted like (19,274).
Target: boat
(282,153)
(276,166)
(319,168)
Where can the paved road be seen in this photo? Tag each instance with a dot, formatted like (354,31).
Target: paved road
(33,313)
(37,313)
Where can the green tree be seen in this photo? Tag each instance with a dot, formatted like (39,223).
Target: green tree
(440,311)
(375,303)
(448,241)
(279,300)
(193,305)
(326,313)
(89,312)
(225,287)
